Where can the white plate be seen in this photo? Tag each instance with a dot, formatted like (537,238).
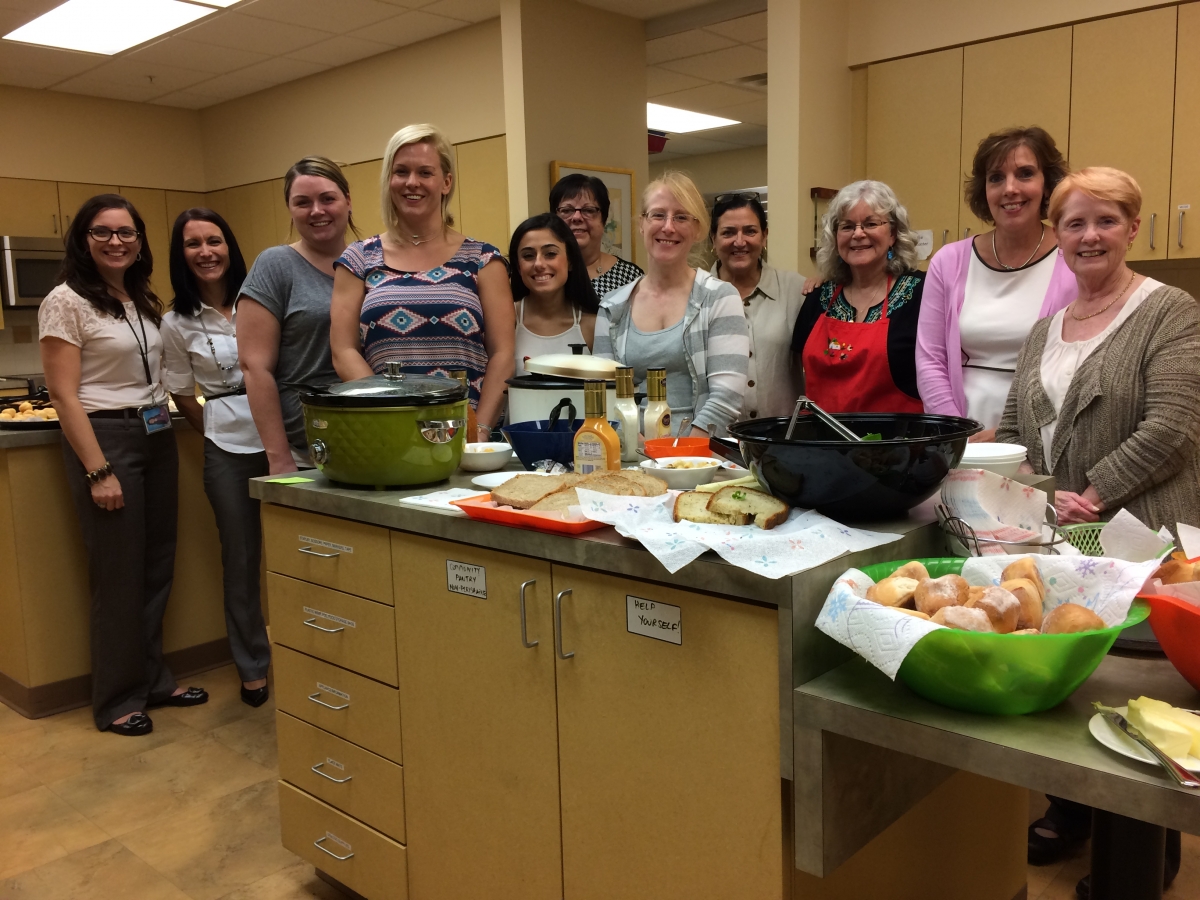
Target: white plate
(1116,740)
(495,479)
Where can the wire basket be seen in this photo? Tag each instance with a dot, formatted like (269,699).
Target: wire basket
(963,541)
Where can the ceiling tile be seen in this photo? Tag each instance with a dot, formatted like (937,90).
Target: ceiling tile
(338,51)
(467,10)
(745,30)
(760,45)
(640,9)
(193,55)
(113,90)
(686,43)
(230,85)
(661,81)
(61,64)
(745,135)
(345,15)
(753,113)
(691,145)
(157,78)
(408,28)
(186,100)
(281,69)
(256,35)
(722,65)
(708,98)
(23,76)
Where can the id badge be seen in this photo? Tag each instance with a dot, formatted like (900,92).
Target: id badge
(155,418)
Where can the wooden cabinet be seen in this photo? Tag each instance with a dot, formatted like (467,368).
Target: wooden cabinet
(914,132)
(252,211)
(1184,211)
(1017,81)
(1122,112)
(482,190)
(29,208)
(178,201)
(72,194)
(151,205)
(337,553)
(364,197)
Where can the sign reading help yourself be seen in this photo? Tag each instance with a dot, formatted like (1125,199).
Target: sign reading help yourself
(462,578)
(652,619)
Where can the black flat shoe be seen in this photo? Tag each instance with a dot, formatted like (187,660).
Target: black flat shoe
(193,696)
(1044,850)
(137,724)
(256,697)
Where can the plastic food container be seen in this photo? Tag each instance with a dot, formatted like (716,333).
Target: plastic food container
(1002,674)
(657,448)
(1003,459)
(1176,624)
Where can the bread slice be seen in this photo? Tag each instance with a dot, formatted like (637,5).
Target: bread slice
(766,510)
(652,485)
(566,497)
(693,507)
(522,491)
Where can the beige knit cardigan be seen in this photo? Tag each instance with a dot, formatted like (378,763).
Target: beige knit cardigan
(1130,421)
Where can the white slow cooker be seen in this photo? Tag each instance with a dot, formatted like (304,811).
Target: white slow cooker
(550,379)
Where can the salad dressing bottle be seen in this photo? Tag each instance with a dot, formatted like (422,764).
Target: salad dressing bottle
(597,447)
(658,413)
(626,413)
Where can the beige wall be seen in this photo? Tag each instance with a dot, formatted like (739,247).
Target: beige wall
(714,172)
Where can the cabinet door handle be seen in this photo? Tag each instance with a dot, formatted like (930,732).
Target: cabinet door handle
(558,642)
(317,769)
(311,623)
(1180,230)
(1153,219)
(317,843)
(525,642)
(311,552)
(966,233)
(945,236)
(54,222)
(313,698)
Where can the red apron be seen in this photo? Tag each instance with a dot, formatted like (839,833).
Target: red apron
(846,367)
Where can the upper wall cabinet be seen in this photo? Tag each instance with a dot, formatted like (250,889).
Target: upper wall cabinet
(1184,226)
(151,204)
(1122,110)
(29,208)
(483,190)
(364,197)
(914,132)
(1018,81)
(71,196)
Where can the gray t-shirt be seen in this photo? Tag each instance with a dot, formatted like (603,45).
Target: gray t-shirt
(299,295)
(663,349)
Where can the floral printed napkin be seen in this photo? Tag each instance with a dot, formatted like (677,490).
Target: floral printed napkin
(805,540)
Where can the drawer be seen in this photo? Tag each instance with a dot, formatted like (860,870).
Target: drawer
(343,629)
(359,857)
(356,781)
(343,555)
(358,709)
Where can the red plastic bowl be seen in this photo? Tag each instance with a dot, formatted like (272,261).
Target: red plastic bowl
(658,448)
(1176,624)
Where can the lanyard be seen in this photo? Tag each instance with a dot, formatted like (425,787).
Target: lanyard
(143,345)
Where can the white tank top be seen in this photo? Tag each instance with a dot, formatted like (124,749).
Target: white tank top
(529,345)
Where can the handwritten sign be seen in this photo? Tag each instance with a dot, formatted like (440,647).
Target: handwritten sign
(924,243)
(652,619)
(463,578)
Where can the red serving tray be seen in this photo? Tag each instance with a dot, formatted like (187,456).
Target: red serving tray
(484,509)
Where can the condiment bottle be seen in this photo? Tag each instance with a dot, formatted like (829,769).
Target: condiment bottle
(658,413)
(460,375)
(626,413)
(597,447)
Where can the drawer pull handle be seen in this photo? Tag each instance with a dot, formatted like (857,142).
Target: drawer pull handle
(525,642)
(1153,217)
(311,623)
(311,552)
(313,698)
(1180,229)
(317,843)
(317,768)
(558,641)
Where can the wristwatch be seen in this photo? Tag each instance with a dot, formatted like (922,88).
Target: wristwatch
(98,475)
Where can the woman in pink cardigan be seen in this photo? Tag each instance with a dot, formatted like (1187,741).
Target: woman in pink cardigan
(983,295)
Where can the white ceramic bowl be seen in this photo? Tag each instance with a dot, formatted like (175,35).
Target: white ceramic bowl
(485,456)
(1003,459)
(692,471)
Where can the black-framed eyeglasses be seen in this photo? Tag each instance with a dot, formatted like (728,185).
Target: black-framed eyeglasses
(104,235)
(737,195)
(588,212)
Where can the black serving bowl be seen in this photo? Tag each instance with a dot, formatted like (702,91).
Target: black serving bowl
(847,481)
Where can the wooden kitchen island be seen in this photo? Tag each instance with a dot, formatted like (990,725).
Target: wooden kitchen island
(469,710)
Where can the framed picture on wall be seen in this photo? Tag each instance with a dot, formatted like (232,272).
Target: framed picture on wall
(619,231)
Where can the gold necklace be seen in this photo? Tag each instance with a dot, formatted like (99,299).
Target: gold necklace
(416,240)
(1007,268)
(1079,318)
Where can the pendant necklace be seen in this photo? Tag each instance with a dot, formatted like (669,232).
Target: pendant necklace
(1079,318)
(1031,255)
(416,240)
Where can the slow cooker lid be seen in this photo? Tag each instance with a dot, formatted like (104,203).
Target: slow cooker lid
(391,389)
(570,365)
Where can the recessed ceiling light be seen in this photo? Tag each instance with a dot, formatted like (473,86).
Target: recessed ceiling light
(107,26)
(681,121)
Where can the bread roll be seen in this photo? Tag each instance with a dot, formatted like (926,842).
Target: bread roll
(912,569)
(1002,608)
(893,591)
(1175,571)
(934,593)
(1031,600)
(974,592)
(963,619)
(1025,567)
(1027,631)
(912,612)
(1070,618)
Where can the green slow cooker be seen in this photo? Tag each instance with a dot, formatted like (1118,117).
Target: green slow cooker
(389,430)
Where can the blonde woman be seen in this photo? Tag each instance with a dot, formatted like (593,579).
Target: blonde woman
(679,317)
(421,293)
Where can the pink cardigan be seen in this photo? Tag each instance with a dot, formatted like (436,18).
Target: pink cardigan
(939,348)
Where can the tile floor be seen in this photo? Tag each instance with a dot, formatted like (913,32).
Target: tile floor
(190,812)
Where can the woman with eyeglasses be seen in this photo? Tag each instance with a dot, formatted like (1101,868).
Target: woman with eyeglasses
(856,332)
(102,355)
(984,294)
(582,202)
(200,350)
(771,300)
(678,317)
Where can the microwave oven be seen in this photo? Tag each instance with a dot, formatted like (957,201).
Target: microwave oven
(30,269)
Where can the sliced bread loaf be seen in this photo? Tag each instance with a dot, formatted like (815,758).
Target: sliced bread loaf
(653,485)
(614,483)
(523,491)
(693,506)
(766,510)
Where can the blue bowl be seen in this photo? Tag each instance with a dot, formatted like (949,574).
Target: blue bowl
(535,441)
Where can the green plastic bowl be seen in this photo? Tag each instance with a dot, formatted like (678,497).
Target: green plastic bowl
(1001,674)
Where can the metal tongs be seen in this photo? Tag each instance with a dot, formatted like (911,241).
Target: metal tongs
(803,403)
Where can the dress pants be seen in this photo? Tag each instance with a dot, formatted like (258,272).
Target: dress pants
(131,564)
(1077,817)
(226,477)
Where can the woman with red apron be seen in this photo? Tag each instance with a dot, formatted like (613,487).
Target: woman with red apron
(856,333)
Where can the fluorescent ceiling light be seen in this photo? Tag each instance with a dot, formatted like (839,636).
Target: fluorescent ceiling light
(681,121)
(107,26)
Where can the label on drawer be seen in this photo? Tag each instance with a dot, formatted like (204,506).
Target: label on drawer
(652,619)
(463,578)
(329,761)
(317,542)
(349,623)
(327,689)
(334,839)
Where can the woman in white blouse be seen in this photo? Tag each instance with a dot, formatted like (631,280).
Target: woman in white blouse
(102,355)
(200,351)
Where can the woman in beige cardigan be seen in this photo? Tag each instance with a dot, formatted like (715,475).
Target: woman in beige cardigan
(1106,397)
